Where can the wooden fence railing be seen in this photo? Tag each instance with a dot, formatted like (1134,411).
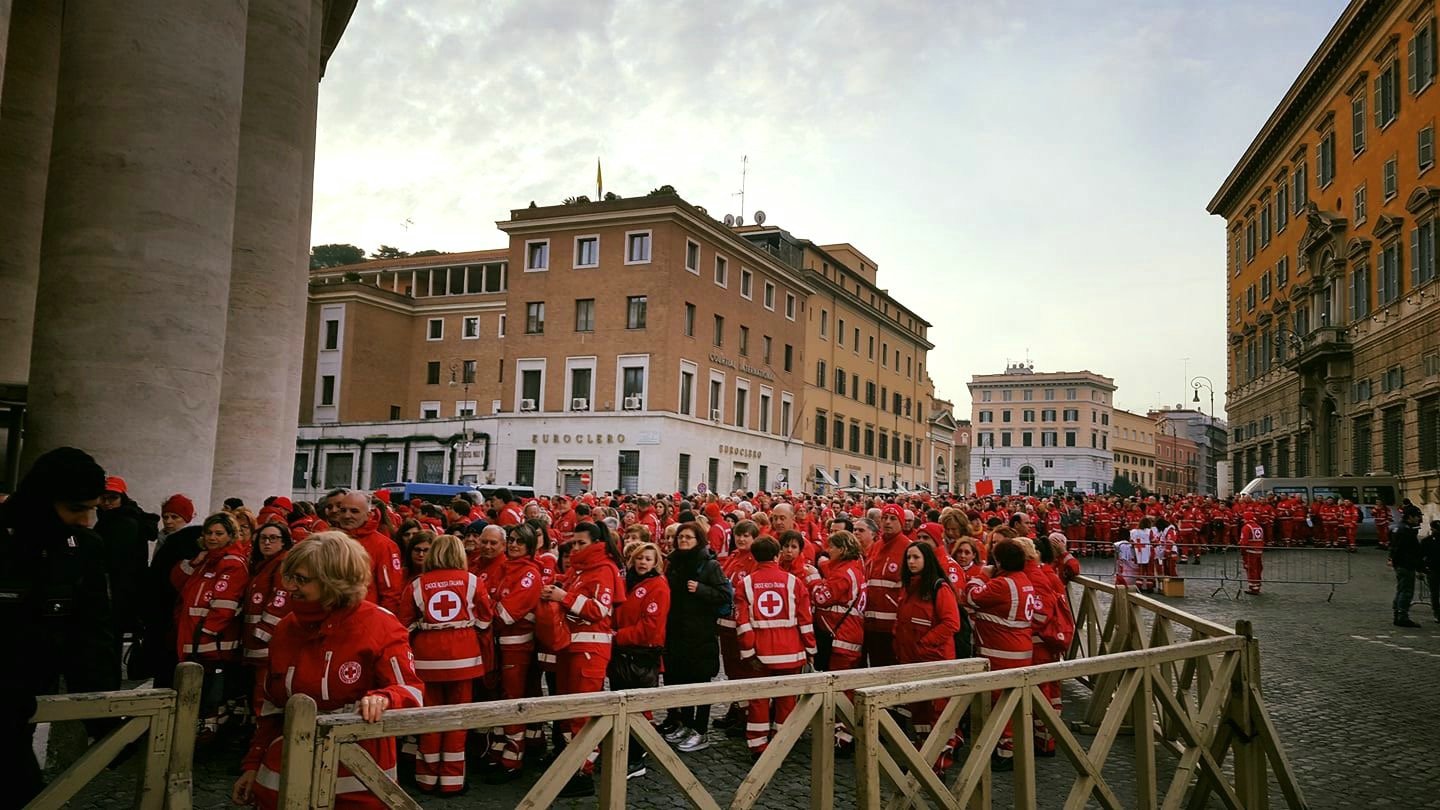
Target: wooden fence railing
(1198,699)
(315,747)
(168,716)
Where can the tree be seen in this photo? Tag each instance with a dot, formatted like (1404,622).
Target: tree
(335,255)
(576,200)
(388,252)
(1122,486)
(665,189)
(427,253)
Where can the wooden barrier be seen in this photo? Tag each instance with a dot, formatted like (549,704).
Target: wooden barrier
(167,716)
(315,746)
(1198,699)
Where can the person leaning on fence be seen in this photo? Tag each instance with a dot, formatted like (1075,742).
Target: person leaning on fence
(1252,553)
(776,635)
(1405,559)
(926,622)
(1127,571)
(640,631)
(1002,603)
(346,653)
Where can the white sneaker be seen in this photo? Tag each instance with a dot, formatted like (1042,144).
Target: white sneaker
(695,741)
(678,734)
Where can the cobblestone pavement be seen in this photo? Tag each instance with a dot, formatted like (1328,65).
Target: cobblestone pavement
(1354,698)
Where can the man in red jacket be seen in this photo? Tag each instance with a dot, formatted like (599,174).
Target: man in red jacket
(882,566)
(353,516)
(776,634)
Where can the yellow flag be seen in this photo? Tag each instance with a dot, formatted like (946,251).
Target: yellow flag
(599,182)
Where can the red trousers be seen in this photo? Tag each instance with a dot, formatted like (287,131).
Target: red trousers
(1254,567)
(1044,740)
(1382,533)
(581,673)
(1006,748)
(515,666)
(765,712)
(441,766)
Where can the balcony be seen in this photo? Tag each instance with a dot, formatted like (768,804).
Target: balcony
(1319,346)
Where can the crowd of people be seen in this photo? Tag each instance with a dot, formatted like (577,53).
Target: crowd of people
(368,606)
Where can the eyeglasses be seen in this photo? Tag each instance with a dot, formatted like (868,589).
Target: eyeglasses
(271,538)
(299,579)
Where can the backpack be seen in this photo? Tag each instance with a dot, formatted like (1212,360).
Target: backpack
(725,609)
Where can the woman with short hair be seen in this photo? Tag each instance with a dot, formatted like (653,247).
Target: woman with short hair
(208,620)
(346,653)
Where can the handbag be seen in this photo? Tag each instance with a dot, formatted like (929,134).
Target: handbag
(825,639)
(635,667)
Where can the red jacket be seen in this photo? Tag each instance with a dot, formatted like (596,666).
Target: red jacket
(736,567)
(208,620)
(1049,595)
(1252,538)
(883,566)
(448,613)
(640,621)
(839,601)
(489,571)
(387,578)
(772,618)
(1003,608)
(267,602)
(925,628)
(516,592)
(593,584)
(718,537)
(345,655)
(511,515)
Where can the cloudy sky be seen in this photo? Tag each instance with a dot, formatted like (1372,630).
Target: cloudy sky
(1030,177)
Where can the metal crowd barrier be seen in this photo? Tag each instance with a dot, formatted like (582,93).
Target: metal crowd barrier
(1225,566)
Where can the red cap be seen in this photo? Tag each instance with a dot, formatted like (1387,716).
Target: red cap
(283,503)
(115,484)
(895,510)
(934,530)
(383,495)
(178,504)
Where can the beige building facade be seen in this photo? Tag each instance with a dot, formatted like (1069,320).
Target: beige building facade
(1133,442)
(1333,327)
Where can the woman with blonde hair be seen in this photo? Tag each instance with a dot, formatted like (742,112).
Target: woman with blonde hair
(346,653)
(448,613)
(640,629)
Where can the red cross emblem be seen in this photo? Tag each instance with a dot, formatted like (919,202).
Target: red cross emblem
(444,606)
(770,604)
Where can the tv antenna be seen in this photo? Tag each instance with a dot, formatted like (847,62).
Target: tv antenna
(407,223)
(744,169)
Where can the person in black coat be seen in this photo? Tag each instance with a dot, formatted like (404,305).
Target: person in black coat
(128,531)
(1430,564)
(158,605)
(1405,559)
(54,604)
(692,653)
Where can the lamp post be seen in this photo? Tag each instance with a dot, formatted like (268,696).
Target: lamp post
(1204,382)
(464,382)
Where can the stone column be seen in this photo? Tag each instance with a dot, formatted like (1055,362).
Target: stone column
(256,438)
(27,116)
(5,6)
(135,265)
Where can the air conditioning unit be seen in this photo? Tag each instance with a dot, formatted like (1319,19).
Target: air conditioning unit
(633,403)
(527,404)
(579,404)
(714,414)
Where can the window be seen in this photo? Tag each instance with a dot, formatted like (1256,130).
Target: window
(635,306)
(769,301)
(1325,159)
(870,352)
(1047,415)
(339,469)
(1049,438)
(765,410)
(1387,276)
(637,247)
(822,425)
(1282,272)
(1250,241)
(587,251)
(719,330)
(584,315)
(789,356)
(692,263)
(1282,207)
(1393,440)
(1006,438)
(500,330)
(825,323)
(1250,298)
(432,372)
(537,255)
(1359,207)
(582,393)
(1390,178)
(785,406)
(689,319)
(467,372)
(1027,438)
(742,403)
(531,384)
(1422,64)
(1425,151)
(722,271)
(632,383)
(747,280)
(1265,220)
(869,392)
(430,409)
(1357,123)
(790,305)
(687,389)
(1072,414)
(1422,253)
(683,484)
(435,329)
(1235,251)
(1300,188)
(327,389)
(744,341)
(525,468)
(840,381)
(1265,286)
(1387,95)
(332,335)
(1360,293)
(1430,433)
(1027,416)
(820,379)
(839,331)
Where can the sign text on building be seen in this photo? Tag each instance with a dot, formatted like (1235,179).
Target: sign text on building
(577,438)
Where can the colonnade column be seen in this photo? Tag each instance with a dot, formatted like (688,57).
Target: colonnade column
(27,116)
(264,339)
(5,6)
(130,316)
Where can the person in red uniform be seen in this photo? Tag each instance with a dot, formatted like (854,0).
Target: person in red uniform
(507,508)
(338,648)
(776,635)
(1252,549)
(354,517)
(839,603)
(640,632)
(926,621)
(1381,513)
(515,588)
(1349,523)
(794,557)
(1050,603)
(1002,606)
(208,621)
(736,566)
(267,600)
(447,610)
(589,591)
(883,566)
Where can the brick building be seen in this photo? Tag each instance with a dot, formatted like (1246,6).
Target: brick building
(1333,326)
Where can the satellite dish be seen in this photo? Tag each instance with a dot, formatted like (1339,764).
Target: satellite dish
(729,220)
(702,210)
(759,217)
(739,220)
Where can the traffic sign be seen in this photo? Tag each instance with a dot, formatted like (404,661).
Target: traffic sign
(585,480)
(701,488)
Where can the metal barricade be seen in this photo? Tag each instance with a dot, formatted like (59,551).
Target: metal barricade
(1226,567)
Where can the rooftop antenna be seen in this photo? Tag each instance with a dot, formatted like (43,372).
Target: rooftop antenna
(744,169)
(407,223)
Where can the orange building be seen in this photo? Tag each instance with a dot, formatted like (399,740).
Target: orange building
(1333,328)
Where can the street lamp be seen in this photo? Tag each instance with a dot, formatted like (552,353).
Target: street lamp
(1198,383)
(465,382)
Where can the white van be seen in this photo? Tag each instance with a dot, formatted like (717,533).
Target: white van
(1364,490)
